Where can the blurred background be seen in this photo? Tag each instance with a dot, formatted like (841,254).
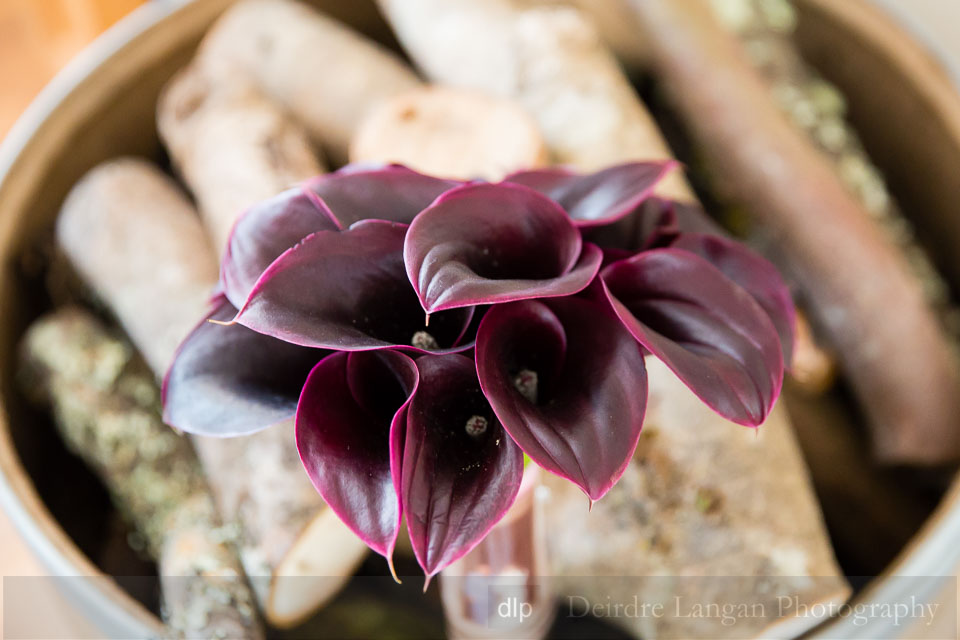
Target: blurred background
(38,37)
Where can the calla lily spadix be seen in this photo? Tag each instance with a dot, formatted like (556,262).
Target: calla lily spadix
(427,333)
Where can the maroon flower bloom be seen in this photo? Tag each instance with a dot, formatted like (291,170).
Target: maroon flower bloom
(490,243)
(350,431)
(231,381)
(348,291)
(710,332)
(326,203)
(427,333)
(569,384)
(599,198)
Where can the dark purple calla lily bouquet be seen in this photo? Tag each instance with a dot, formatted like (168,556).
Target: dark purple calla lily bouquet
(426,333)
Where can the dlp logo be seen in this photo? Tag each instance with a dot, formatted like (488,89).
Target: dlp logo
(514,608)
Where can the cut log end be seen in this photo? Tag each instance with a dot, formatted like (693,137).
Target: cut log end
(455,133)
(316,567)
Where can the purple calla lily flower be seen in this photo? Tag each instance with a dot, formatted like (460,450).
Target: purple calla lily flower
(326,203)
(350,429)
(706,328)
(661,224)
(568,382)
(752,272)
(599,198)
(469,324)
(231,381)
(348,291)
(461,471)
(485,243)
(264,232)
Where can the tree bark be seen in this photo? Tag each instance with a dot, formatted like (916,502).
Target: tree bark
(106,406)
(848,270)
(139,244)
(321,71)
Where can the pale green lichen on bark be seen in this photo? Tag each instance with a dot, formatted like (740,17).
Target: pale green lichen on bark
(106,406)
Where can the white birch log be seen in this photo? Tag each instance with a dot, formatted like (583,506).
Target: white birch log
(139,244)
(327,75)
(232,145)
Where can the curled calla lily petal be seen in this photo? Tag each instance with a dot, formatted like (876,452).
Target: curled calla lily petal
(490,243)
(706,328)
(349,407)
(597,198)
(568,382)
(264,232)
(391,192)
(752,272)
(231,381)
(461,471)
(348,291)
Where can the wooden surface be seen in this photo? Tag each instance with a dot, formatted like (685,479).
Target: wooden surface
(37,37)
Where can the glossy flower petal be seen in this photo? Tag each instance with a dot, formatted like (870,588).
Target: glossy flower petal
(490,243)
(752,272)
(349,408)
(461,471)
(568,382)
(347,291)
(597,198)
(264,232)
(390,192)
(706,328)
(231,381)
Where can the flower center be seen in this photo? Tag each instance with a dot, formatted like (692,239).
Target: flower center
(526,383)
(476,426)
(423,340)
